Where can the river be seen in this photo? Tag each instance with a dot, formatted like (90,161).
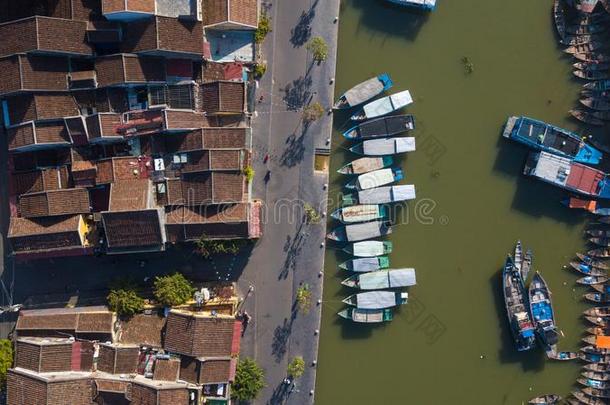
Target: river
(473,204)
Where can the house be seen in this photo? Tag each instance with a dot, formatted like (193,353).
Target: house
(128,69)
(206,188)
(223,97)
(70,9)
(34,135)
(27,387)
(29,73)
(50,203)
(34,181)
(38,107)
(127,10)
(230,14)
(208,138)
(48,354)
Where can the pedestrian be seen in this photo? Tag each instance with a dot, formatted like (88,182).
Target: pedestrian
(266,158)
(261,98)
(268,176)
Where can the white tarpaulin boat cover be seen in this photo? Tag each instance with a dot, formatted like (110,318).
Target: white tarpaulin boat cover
(383,195)
(367,316)
(388,146)
(375,179)
(366,230)
(363,91)
(387,104)
(379,280)
(368,248)
(364,165)
(376,300)
(360,213)
(365,264)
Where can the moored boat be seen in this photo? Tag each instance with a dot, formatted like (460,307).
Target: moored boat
(586,117)
(369,248)
(559,17)
(375,179)
(584,399)
(589,382)
(561,356)
(577,39)
(602,288)
(594,358)
(598,298)
(377,299)
(603,312)
(381,127)
(603,85)
(382,279)
(360,232)
(602,115)
(605,242)
(541,308)
(590,280)
(527,264)
(518,256)
(360,213)
(366,264)
(591,66)
(586,269)
(384,106)
(595,103)
(598,233)
(515,300)
(591,46)
(592,57)
(595,350)
(547,399)
(364,91)
(384,146)
(590,29)
(594,392)
(366,315)
(594,375)
(591,74)
(597,367)
(381,195)
(601,322)
(598,331)
(366,164)
(590,261)
(428,5)
(599,252)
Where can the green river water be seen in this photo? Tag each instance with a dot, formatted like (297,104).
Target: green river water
(480,203)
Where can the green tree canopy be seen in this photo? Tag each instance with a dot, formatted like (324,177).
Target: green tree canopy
(124,302)
(6,359)
(173,289)
(296,367)
(249,380)
(319,48)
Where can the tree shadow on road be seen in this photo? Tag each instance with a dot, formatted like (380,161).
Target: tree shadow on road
(295,150)
(292,248)
(298,93)
(301,32)
(280,393)
(279,346)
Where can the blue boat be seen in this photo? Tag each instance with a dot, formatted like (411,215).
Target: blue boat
(428,5)
(517,311)
(364,91)
(541,309)
(548,138)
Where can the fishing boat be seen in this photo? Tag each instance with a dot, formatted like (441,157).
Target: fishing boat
(594,358)
(588,260)
(602,288)
(591,74)
(597,367)
(586,117)
(595,103)
(381,195)
(591,46)
(598,331)
(518,256)
(602,115)
(547,399)
(586,269)
(541,308)
(366,164)
(377,299)
(605,242)
(366,264)
(549,138)
(369,248)
(601,322)
(604,220)
(360,232)
(515,300)
(375,179)
(527,264)
(598,298)
(591,66)
(592,57)
(595,350)
(559,17)
(598,233)
(382,279)
(590,29)
(603,312)
(590,340)
(587,400)
(381,127)
(603,85)
(561,356)
(567,174)
(366,315)
(599,252)
(364,91)
(590,280)
(427,5)
(594,392)
(384,146)
(383,106)
(360,213)
(596,375)
(589,382)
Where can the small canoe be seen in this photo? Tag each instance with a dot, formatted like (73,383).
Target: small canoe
(591,66)
(381,195)
(375,179)
(603,85)
(587,270)
(590,340)
(384,146)
(381,127)
(384,106)
(583,399)
(589,382)
(360,232)
(366,264)
(594,392)
(577,39)
(518,256)
(593,262)
(602,115)
(598,298)
(594,358)
(600,252)
(598,233)
(602,288)
(595,350)
(601,322)
(369,248)
(590,280)
(592,57)
(382,279)
(377,299)
(559,18)
(605,242)
(595,103)
(590,29)
(360,213)
(586,48)
(364,91)
(598,331)
(366,164)
(603,312)
(547,399)
(586,117)
(591,74)
(594,375)
(597,367)
(527,264)
(366,315)
(561,356)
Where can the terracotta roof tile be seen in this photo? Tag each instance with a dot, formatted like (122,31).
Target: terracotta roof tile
(130,195)
(116,169)
(28,235)
(223,97)
(217,371)
(133,229)
(55,202)
(206,188)
(197,336)
(143,329)
(166,369)
(78,320)
(39,180)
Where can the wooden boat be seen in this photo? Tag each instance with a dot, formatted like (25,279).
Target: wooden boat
(598,298)
(592,57)
(384,146)
(366,164)
(590,340)
(593,206)
(381,127)
(375,179)
(589,47)
(599,252)
(587,270)
(601,322)
(591,66)
(590,280)
(369,248)
(598,233)
(584,399)
(561,356)
(541,308)
(559,17)
(515,301)
(595,103)
(364,91)
(360,232)
(382,279)
(383,106)
(602,312)
(360,213)
(593,375)
(377,299)
(594,358)
(588,382)
(603,85)
(602,115)
(590,29)
(577,39)
(527,264)
(545,137)
(586,117)
(598,331)
(604,220)
(597,367)
(366,264)
(601,94)
(547,399)
(605,242)
(602,288)
(426,5)
(366,315)
(595,350)
(381,195)
(518,257)
(594,392)
(591,74)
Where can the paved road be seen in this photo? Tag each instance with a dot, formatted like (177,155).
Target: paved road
(290,253)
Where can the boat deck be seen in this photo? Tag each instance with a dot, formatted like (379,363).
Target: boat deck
(386,126)
(539,133)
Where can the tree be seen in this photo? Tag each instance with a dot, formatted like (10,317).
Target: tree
(311,215)
(125,303)
(249,173)
(249,380)
(259,70)
(319,48)
(296,367)
(173,289)
(304,297)
(6,359)
(312,112)
(264,28)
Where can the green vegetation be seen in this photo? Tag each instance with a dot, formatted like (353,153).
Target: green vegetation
(209,247)
(6,359)
(259,70)
(249,173)
(312,112)
(249,380)
(125,302)
(311,215)
(319,48)
(173,289)
(296,367)
(264,28)
(468,65)
(304,297)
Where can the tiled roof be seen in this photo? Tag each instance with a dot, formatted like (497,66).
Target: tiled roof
(126,68)
(114,6)
(33,73)
(207,138)
(223,97)
(242,12)
(45,106)
(133,229)
(55,202)
(80,320)
(214,159)
(198,336)
(143,329)
(39,180)
(206,188)
(166,369)
(29,134)
(164,35)
(26,387)
(213,221)
(146,392)
(29,235)
(117,169)
(217,371)
(44,355)
(130,195)
(118,359)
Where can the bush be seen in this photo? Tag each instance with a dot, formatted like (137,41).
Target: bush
(259,70)
(264,28)
(209,247)
(6,359)
(319,48)
(249,380)
(313,112)
(311,215)
(173,290)
(249,173)
(125,303)
(304,298)
(296,367)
